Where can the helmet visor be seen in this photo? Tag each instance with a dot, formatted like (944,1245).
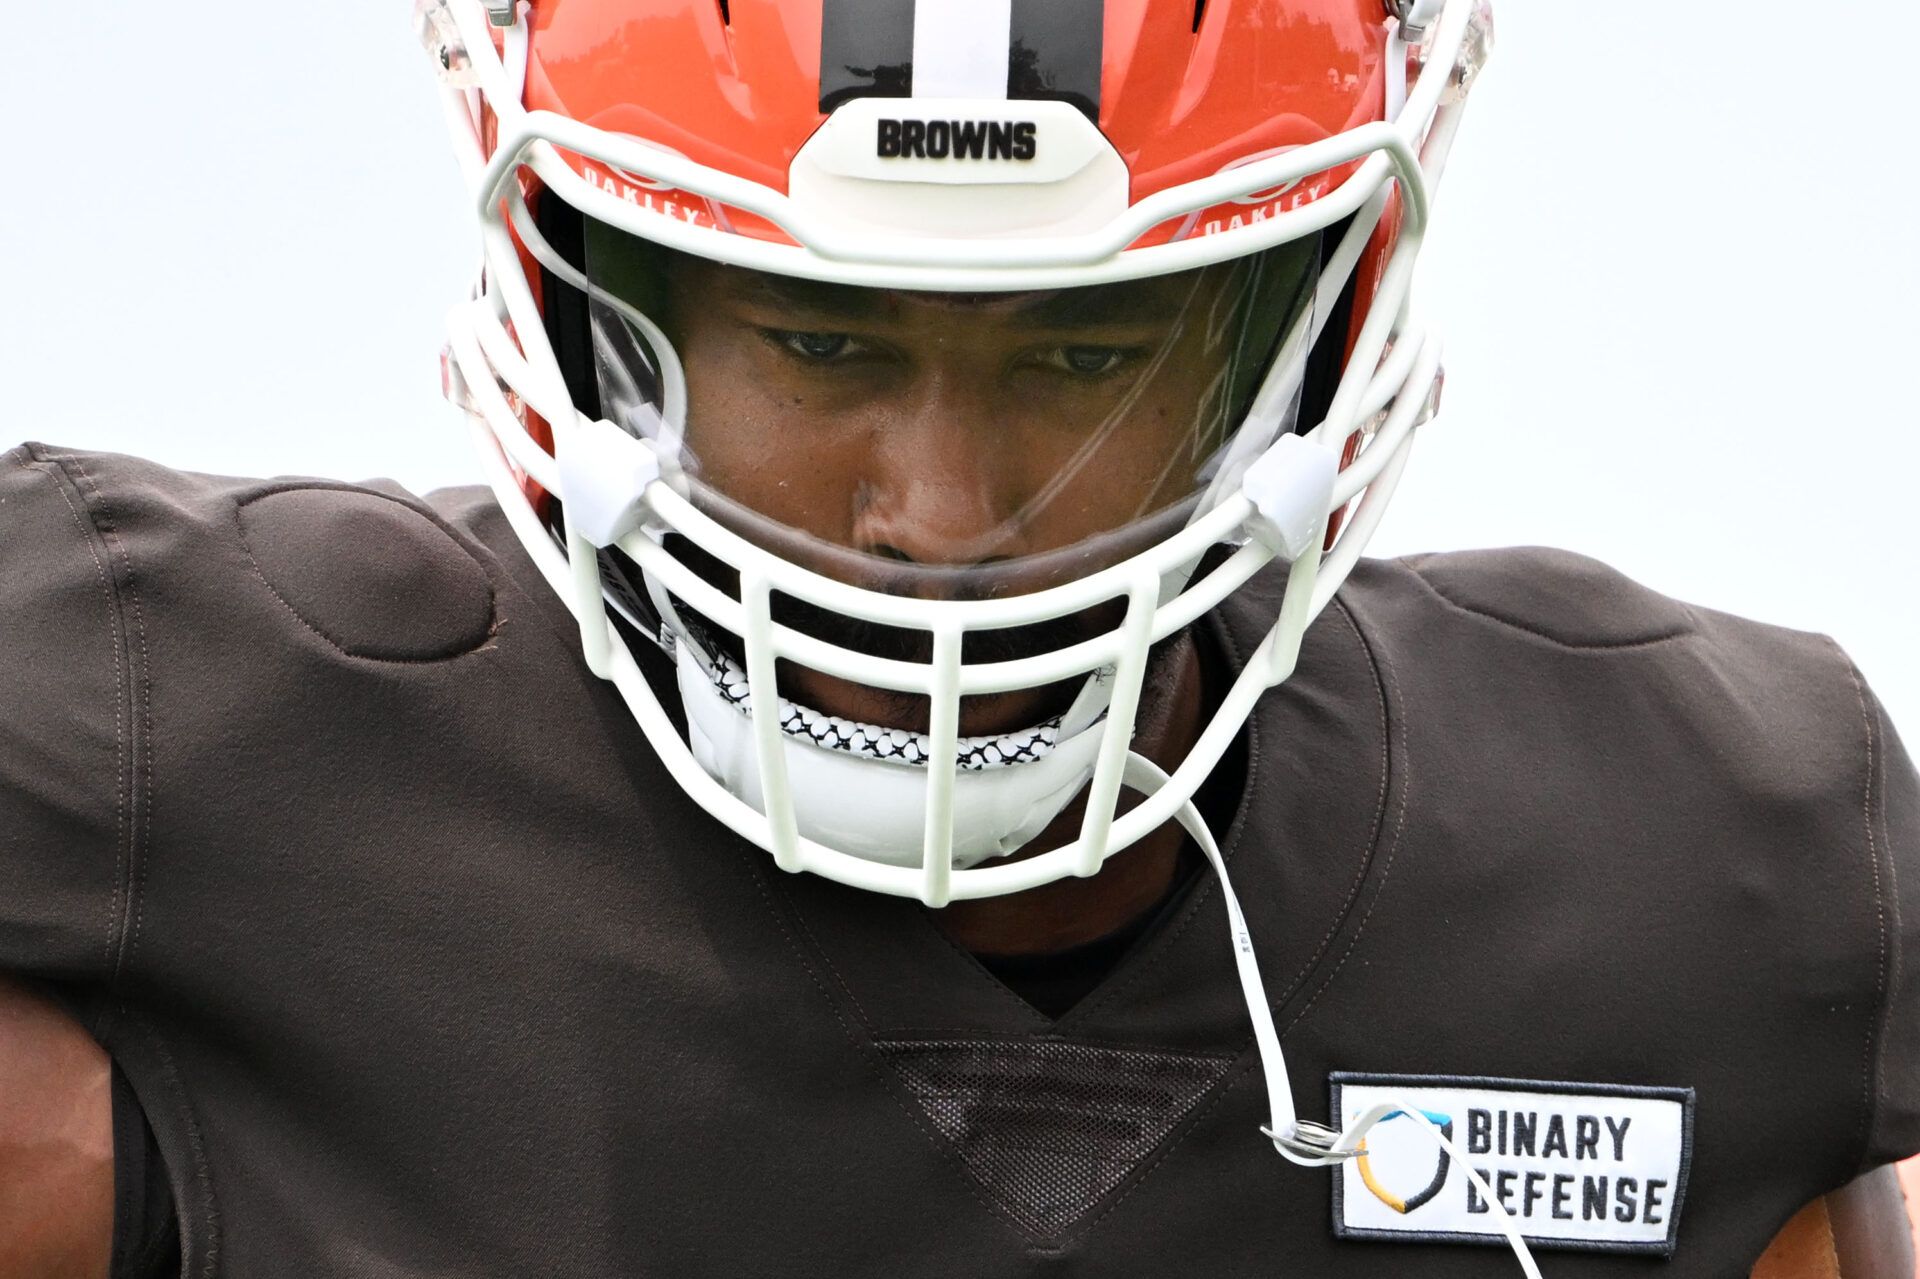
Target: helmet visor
(952,445)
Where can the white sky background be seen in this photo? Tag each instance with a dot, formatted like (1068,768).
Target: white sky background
(1675,262)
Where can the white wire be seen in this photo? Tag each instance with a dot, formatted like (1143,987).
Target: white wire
(1145,776)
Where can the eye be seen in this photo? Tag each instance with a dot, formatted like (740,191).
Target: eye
(818,347)
(1088,361)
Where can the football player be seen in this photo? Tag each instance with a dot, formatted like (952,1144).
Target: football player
(906,769)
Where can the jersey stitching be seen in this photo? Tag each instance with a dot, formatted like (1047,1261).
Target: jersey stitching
(121,758)
(1555,640)
(140,819)
(1373,828)
(493,595)
(1159,949)
(1880,986)
(853,1001)
(864,1046)
(1232,1078)
(909,1035)
(1895,963)
(1154,950)
(972,965)
(1246,1067)
(196,1147)
(142,717)
(1393,851)
(1232,842)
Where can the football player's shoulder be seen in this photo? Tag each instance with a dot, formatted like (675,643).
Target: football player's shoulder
(1541,595)
(367,570)
(140,605)
(1761,745)
(1784,710)
(1799,789)
(1535,653)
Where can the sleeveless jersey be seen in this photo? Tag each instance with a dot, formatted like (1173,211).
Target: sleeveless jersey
(421,965)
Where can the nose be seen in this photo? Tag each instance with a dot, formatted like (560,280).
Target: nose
(942,481)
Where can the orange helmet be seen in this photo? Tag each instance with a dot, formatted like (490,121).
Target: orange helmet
(1181,91)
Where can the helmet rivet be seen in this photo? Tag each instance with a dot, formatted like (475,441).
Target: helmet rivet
(1415,17)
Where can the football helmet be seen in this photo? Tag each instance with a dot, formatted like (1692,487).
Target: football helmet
(1271,165)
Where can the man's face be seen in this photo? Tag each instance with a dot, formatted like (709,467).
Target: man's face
(951,431)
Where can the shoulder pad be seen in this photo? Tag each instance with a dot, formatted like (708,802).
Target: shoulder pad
(1558,596)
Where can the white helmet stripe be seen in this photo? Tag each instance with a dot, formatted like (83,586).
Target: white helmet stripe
(961,48)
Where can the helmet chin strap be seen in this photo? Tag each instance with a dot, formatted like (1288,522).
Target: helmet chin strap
(996,811)
(1302,1141)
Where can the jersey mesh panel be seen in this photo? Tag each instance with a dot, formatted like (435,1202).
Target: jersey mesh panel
(1049,1128)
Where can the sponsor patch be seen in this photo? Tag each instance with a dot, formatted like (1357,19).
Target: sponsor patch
(1588,1167)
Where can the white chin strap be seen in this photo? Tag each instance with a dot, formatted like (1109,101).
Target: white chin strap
(877,808)
(1301,1141)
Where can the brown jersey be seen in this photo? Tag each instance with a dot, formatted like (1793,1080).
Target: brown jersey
(420,963)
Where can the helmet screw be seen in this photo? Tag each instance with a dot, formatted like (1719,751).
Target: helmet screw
(1415,17)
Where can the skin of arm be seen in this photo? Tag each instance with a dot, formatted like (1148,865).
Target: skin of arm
(1860,1231)
(56,1142)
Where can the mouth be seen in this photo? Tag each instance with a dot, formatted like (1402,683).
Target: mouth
(868,740)
(996,730)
